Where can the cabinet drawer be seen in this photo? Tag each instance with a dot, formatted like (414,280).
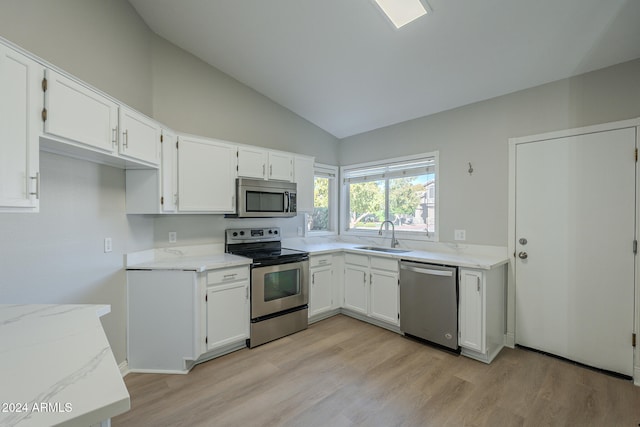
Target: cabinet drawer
(356,259)
(225,275)
(380,263)
(320,260)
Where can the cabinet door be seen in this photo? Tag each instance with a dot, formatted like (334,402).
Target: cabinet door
(252,162)
(355,289)
(206,176)
(169,171)
(321,292)
(384,296)
(303,168)
(227,314)
(139,137)
(280,166)
(79,114)
(472,319)
(20,105)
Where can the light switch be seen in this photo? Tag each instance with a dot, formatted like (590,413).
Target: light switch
(173,237)
(108,245)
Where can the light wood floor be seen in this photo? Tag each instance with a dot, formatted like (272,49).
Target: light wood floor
(343,372)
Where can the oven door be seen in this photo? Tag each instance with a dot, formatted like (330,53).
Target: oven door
(280,287)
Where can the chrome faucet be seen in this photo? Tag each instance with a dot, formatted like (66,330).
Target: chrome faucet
(394,242)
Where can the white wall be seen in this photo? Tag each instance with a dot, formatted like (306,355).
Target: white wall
(479,133)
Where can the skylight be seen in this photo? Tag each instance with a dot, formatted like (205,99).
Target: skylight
(401,12)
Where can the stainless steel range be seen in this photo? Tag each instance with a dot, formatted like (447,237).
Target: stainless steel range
(279,283)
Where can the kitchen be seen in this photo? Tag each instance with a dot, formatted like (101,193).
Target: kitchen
(82,202)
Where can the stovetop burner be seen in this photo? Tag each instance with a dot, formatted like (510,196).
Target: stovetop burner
(263,245)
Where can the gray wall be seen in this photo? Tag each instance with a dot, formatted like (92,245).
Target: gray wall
(56,256)
(479,133)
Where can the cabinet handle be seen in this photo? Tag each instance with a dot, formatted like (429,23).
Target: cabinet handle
(114,136)
(263,169)
(364,277)
(37,179)
(270,170)
(313,279)
(229,276)
(478,282)
(370,278)
(322,261)
(246,292)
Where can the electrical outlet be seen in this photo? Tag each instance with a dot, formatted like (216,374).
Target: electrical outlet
(460,234)
(173,237)
(108,244)
(300,232)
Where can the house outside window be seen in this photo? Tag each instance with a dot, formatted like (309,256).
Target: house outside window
(401,190)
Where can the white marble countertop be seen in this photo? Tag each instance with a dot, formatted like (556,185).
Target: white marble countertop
(193,263)
(460,258)
(196,258)
(56,367)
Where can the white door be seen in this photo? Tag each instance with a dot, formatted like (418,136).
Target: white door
(575,206)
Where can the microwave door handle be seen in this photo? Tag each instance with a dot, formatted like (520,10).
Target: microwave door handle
(288,200)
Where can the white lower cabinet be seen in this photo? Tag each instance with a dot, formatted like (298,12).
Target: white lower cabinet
(227,307)
(355,288)
(177,318)
(371,287)
(482,312)
(321,288)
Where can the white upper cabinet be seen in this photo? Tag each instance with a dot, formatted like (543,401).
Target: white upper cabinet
(252,162)
(79,114)
(139,137)
(206,175)
(155,191)
(303,176)
(258,163)
(20,105)
(169,171)
(280,166)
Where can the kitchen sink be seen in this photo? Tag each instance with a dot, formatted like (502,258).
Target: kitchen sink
(380,249)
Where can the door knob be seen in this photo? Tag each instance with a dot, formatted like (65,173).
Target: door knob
(523,255)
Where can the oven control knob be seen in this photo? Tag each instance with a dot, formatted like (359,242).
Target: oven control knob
(242,233)
(270,231)
(275,231)
(235,234)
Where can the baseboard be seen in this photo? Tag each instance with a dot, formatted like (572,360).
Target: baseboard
(124,368)
(510,340)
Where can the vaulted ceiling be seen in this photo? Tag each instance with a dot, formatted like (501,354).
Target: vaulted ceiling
(341,65)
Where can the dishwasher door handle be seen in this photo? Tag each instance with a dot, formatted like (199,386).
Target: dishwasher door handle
(427,271)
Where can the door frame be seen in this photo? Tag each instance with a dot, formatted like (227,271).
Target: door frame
(510,338)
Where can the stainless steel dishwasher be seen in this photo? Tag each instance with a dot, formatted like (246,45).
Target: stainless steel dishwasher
(429,303)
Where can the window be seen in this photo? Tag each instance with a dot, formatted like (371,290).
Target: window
(401,190)
(324,219)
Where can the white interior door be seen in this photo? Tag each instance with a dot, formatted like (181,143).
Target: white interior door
(575,206)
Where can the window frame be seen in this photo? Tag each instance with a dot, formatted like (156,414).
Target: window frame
(404,234)
(331,172)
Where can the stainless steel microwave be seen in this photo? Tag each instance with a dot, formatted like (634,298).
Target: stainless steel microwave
(256,198)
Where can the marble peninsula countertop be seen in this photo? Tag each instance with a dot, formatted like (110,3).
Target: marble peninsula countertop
(57,367)
(196,258)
